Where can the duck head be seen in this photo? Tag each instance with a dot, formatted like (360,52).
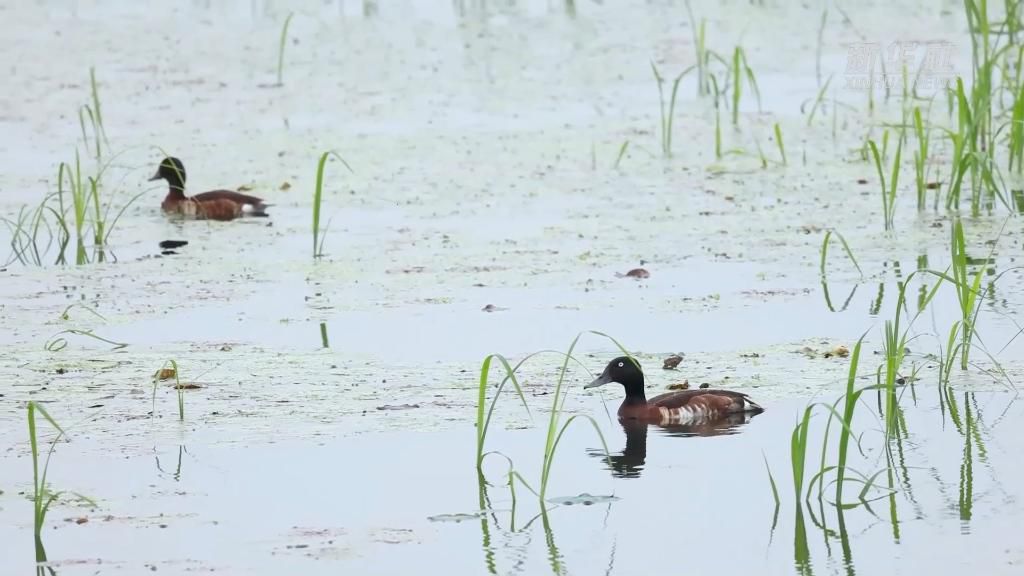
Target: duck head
(625,371)
(172,170)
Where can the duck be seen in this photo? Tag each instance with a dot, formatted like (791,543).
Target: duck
(212,205)
(674,408)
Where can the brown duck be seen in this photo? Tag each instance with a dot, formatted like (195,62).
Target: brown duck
(673,408)
(212,205)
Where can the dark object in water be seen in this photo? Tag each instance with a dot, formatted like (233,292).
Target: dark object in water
(678,407)
(638,273)
(172,244)
(212,205)
(672,362)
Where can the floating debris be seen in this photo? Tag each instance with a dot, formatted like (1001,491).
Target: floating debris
(186,386)
(705,385)
(584,498)
(672,362)
(493,308)
(638,273)
(286,186)
(839,351)
(172,244)
(398,407)
(684,385)
(165,374)
(457,517)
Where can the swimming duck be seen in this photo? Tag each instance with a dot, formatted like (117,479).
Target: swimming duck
(213,205)
(678,407)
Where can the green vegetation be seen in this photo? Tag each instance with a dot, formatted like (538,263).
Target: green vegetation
(168,370)
(78,211)
(318,193)
(42,496)
(280,48)
(888,192)
(667,115)
(557,422)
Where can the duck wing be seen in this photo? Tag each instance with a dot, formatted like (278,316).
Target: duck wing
(259,208)
(720,401)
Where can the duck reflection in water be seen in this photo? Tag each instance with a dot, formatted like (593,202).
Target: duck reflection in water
(701,412)
(630,462)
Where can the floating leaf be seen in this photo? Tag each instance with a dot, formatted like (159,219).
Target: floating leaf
(584,498)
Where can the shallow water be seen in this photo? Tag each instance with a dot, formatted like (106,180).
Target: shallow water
(332,417)
(389,502)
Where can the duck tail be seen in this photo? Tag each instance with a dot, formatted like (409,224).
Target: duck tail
(751,406)
(259,210)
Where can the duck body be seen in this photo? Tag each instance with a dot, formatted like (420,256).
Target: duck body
(213,205)
(681,407)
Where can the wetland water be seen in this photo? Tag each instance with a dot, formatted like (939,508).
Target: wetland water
(329,420)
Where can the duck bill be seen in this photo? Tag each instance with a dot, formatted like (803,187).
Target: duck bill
(155,177)
(599,381)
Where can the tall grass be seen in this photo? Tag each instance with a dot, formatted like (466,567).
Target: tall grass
(700,51)
(318,193)
(557,422)
(79,211)
(888,192)
(741,70)
(667,114)
(921,159)
(846,248)
(172,366)
(968,295)
(42,496)
(280,48)
(779,143)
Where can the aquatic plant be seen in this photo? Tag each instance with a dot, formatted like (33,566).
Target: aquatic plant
(621,154)
(280,48)
(846,248)
(888,193)
(818,100)
(167,370)
(42,496)
(92,214)
(557,423)
(922,136)
(94,113)
(779,143)
(969,299)
(701,53)
(59,341)
(324,341)
(668,115)
(741,70)
(318,193)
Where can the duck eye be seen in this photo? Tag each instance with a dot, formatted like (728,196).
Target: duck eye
(620,364)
